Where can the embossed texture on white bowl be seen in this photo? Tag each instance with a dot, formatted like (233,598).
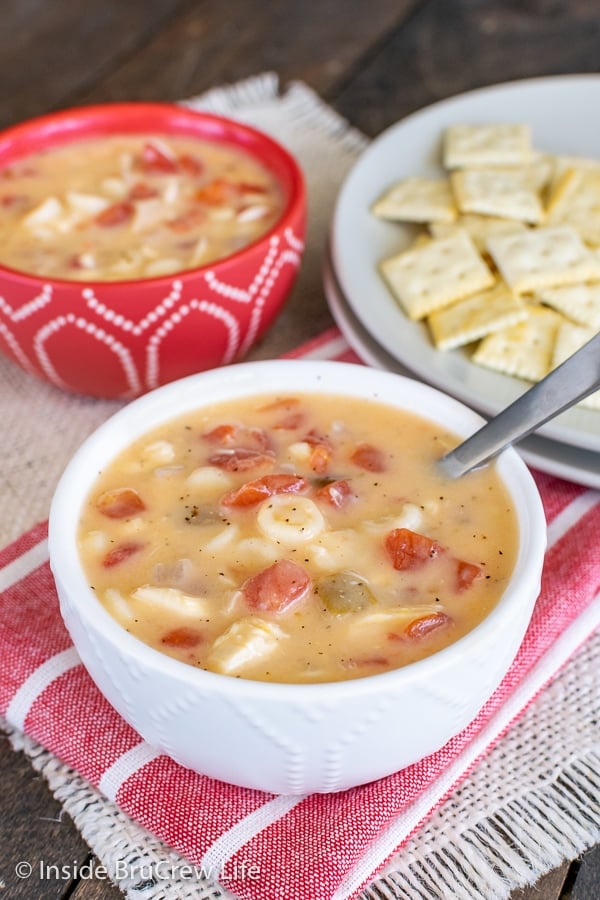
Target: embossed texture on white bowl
(291,738)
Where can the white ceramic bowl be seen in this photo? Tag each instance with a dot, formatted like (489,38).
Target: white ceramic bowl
(290,738)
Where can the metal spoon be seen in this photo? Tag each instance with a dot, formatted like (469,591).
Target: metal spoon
(570,382)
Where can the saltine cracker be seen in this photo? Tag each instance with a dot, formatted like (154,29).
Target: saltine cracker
(578,302)
(417,199)
(475,317)
(433,275)
(524,350)
(498,144)
(507,193)
(537,258)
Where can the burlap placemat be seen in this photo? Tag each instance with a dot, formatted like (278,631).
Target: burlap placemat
(529,804)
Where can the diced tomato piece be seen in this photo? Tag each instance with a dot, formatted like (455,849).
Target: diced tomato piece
(190,165)
(242,459)
(222,434)
(319,458)
(120,503)
(154,159)
(187,221)
(250,187)
(289,422)
(142,191)
(282,403)
(75,261)
(245,447)
(115,214)
(255,491)
(27,171)
(12,200)
(216,192)
(466,573)
(321,452)
(369,661)
(187,244)
(277,588)
(231,435)
(183,637)
(337,493)
(409,550)
(368,457)
(354,663)
(120,553)
(291,416)
(424,625)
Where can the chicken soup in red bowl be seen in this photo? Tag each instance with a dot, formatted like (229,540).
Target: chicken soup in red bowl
(142,242)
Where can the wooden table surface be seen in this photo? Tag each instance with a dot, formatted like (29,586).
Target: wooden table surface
(374,61)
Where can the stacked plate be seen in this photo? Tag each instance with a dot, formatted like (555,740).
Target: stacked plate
(558,111)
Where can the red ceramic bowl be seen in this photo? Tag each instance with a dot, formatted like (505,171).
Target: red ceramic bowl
(119,339)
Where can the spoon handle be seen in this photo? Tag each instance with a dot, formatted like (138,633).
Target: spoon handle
(570,382)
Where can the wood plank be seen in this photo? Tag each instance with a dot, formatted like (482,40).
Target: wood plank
(549,887)
(447,48)
(318,43)
(584,880)
(50,52)
(95,888)
(34,830)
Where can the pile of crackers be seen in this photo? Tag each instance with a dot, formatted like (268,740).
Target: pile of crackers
(507,262)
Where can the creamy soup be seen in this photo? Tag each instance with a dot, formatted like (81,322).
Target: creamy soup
(277,539)
(125,207)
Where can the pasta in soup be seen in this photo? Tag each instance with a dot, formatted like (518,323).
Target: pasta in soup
(296,538)
(132,206)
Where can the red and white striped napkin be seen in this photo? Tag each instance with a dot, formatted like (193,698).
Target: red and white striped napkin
(318,847)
